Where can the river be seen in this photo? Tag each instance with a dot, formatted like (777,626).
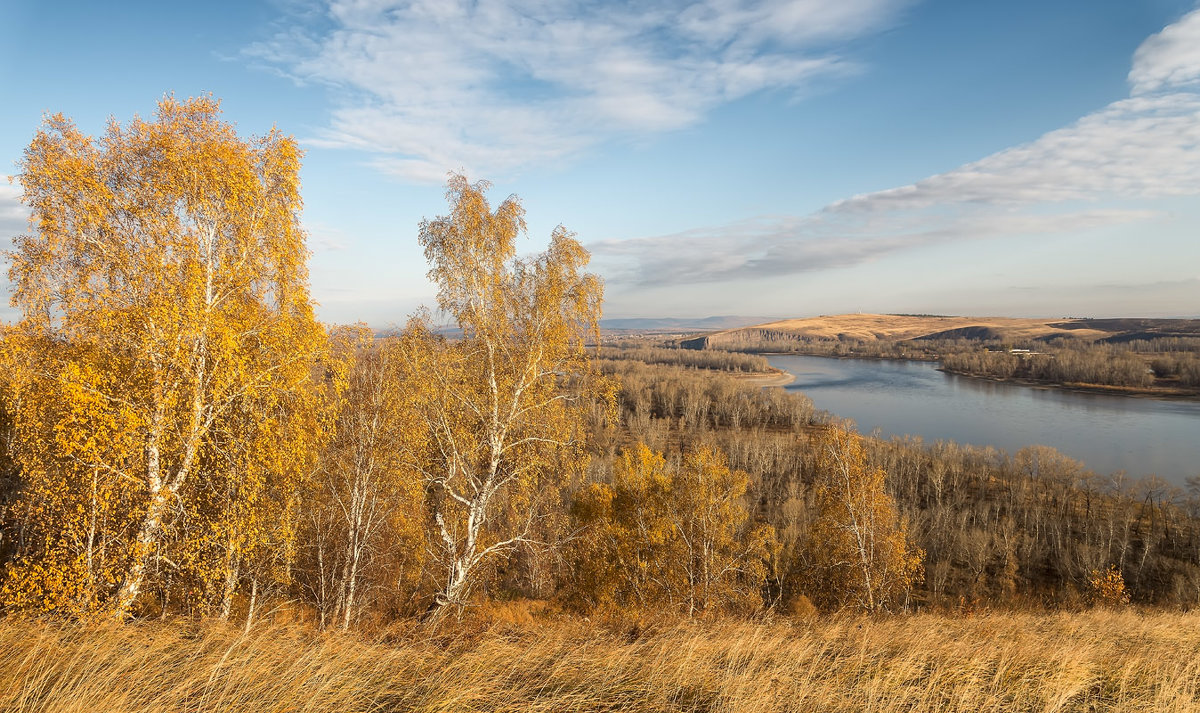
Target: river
(1140,436)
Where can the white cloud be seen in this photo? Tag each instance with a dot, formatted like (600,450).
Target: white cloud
(324,238)
(1140,148)
(493,85)
(14,217)
(781,246)
(1170,58)
(14,221)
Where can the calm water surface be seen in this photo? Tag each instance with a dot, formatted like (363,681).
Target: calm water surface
(1108,433)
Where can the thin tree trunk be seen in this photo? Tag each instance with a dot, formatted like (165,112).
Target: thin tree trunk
(323,598)
(351,588)
(231,579)
(147,537)
(253,601)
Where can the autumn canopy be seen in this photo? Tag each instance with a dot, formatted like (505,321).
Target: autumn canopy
(181,435)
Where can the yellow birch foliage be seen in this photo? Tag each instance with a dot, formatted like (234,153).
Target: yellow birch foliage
(73,513)
(857,553)
(501,403)
(163,291)
(626,549)
(726,555)
(365,507)
(670,535)
(1106,588)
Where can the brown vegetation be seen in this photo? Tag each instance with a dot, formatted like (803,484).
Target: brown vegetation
(1094,661)
(717,360)
(1089,364)
(889,327)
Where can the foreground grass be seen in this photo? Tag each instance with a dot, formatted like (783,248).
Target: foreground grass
(1094,661)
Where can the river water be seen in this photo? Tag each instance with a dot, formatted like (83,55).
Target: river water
(1108,433)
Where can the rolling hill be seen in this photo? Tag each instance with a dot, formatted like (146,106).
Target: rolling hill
(899,327)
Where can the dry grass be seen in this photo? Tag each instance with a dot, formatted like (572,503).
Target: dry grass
(1095,661)
(872,327)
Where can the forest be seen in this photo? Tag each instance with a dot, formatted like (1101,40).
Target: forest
(181,439)
(1142,363)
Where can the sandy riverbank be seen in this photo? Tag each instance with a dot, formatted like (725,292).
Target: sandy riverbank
(774,377)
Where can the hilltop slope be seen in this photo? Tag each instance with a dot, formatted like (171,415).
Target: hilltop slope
(891,327)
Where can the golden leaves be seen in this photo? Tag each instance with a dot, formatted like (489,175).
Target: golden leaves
(500,404)
(669,534)
(857,552)
(169,334)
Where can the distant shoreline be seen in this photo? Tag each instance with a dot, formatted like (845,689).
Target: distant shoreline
(1162,393)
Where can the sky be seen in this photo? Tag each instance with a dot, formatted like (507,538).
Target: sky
(725,157)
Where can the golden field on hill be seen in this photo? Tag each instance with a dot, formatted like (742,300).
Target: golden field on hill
(1092,661)
(873,327)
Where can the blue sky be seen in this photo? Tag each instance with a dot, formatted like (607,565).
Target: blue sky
(721,157)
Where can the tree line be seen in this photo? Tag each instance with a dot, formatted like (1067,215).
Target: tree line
(180,431)
(180,435)
(1029,529)
(1095,365)
(697,359)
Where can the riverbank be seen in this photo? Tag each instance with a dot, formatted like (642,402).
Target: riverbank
(1108,432)
(772,377)
(1153,392)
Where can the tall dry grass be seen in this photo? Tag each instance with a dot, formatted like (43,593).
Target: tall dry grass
(1095,661)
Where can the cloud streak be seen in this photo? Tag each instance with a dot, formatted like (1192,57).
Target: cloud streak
(496,85)
(1140,148)
(770,247)
(14,217)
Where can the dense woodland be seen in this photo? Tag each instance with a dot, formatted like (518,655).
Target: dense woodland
(698,359)
(181,436)
(1023,529)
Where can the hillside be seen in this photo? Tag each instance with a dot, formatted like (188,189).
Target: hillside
(892,327)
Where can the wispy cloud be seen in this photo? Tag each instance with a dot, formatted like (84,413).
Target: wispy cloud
(325,238)
(14,221)
(494,85)
(773,246)
(14,217)
(1170,58)
(1146,146)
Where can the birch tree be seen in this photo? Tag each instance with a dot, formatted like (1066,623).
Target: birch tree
(163,285)
(367,505)
(857,552)
(500,406)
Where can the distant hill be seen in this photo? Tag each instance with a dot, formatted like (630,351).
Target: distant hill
(678,324)
(891,327)
(1125,330)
